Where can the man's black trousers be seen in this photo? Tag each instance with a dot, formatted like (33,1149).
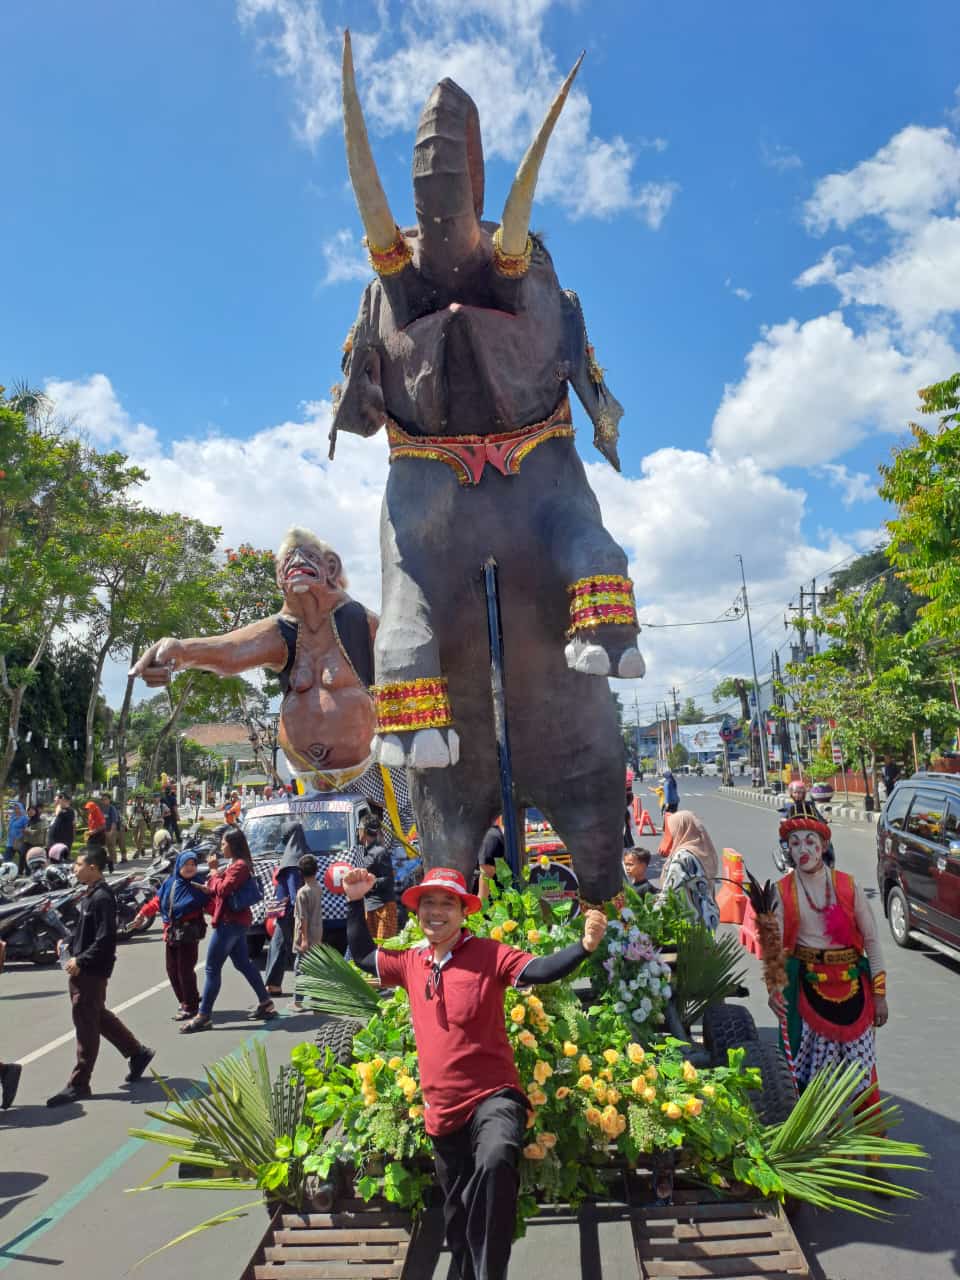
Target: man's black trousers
(477,1169)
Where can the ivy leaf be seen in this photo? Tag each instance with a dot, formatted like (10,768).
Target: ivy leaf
(284,1147)
(273,1175)
(367,1187)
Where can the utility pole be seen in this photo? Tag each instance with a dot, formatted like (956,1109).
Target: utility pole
(636,716)
(756,682)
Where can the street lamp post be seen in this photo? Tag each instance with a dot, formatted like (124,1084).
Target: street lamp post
(756,682)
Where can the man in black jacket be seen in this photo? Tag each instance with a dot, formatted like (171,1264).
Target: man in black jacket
(381,901)
(92,950)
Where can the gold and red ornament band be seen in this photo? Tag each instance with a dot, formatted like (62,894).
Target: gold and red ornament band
(511,265)
(596,602)
(880,984)
(618,902)
(403,705)
(391,260)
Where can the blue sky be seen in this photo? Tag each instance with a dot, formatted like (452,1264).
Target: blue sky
(181,251)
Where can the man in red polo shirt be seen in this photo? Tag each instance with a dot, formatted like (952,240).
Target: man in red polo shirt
(475,1108)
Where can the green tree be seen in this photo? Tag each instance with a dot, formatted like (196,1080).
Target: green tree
(678,756)
(876,686)
(52,487)
(734,687)
(690,713)
(874,566)
(923,481)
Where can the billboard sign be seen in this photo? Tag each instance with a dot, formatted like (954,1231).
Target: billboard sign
(702,739)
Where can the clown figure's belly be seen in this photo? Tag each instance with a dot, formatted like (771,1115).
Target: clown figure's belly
(327,727)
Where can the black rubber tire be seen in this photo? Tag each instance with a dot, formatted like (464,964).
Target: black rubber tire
(337,1034)
(727,1026)
(898,917)
(774,1101)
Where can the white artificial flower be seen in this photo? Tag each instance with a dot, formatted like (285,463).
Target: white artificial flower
(619,1007)
(626,913)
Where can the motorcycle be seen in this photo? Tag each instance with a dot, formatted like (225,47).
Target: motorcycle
(32,928)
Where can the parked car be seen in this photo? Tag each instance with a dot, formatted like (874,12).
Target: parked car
(330,823)
(918,858)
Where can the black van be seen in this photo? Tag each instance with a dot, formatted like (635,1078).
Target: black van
(918,858)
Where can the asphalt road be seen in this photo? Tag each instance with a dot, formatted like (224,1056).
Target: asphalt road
(63,1174)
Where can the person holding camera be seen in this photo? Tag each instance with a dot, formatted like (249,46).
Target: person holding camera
(380,903)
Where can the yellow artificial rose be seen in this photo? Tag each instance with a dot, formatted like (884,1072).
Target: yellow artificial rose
(689,1073)
(534,1002)
(649,1094)
(638,1084)
(562,1092)
(612,1122)
(518,1013)
(592,1115)
(377,1063)
(496,933)
(533,935)
(534,1151)
(605,1074)
(635,1053)
(611,1057)
(543,1022)
(415,1112)
(570,1050)
(527,1040)
(509,926)
(537,1097)
(408,1086)
(542,1071)
(693,1106)
(584,1064)
(651,1072)
(395,1064)
(708,1091)
(369,1096)
(671,1110)
(600,1087)
(548,1140)
(613,1096)
(364,1070)
(585,1083)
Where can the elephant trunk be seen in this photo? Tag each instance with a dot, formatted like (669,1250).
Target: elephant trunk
(448,182)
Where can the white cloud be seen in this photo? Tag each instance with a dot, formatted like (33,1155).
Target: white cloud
(919,281)
(856,486)
(498,53)
(811,391)
(917,171)
(737,290)
(779,157)
(346,259)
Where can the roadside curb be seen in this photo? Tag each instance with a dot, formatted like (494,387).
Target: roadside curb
(835,812)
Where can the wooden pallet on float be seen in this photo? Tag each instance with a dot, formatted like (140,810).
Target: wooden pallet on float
(356,1242)
(745,1240)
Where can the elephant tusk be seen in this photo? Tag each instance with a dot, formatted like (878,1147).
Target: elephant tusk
(515,224)
(378,222)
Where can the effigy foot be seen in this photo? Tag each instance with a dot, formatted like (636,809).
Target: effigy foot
(588,659)
(423,749)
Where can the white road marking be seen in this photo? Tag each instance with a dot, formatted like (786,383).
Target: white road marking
(69,1036)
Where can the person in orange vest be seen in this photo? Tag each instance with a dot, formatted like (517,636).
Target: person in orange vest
(836,993)
(232,810)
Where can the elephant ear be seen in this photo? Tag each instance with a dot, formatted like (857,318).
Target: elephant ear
(358,400)
(587,380)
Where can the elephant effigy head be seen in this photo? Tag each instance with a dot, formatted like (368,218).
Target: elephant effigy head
(465,329)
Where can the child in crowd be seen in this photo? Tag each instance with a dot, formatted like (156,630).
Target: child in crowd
(636,864)
(307,916)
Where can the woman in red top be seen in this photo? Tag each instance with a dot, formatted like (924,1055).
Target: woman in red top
(229,936)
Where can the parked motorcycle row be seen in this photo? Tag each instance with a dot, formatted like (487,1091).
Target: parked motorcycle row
(39,909)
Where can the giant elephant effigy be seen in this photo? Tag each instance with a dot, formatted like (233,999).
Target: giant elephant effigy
(463,351)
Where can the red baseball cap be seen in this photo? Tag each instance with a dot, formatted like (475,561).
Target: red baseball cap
(449,881)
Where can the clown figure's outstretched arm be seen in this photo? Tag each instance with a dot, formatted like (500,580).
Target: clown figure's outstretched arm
(260,644)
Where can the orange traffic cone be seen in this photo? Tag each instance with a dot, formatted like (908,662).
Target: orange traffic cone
(731,899)
(642,820)
(749,937)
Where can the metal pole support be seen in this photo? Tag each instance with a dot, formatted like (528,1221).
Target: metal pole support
(498,694)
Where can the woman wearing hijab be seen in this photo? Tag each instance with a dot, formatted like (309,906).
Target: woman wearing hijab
(692,865)
(181,904)
(287,879)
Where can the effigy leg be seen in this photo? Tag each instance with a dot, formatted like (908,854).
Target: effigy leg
(602,637)
(414,720)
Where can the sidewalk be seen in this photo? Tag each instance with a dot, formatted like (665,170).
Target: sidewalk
(834,811)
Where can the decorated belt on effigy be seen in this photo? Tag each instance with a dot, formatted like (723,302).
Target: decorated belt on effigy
(468,455)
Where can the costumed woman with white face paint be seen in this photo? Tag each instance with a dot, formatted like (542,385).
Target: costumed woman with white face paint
(836,980)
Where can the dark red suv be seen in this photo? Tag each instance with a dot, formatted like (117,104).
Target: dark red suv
(918,859)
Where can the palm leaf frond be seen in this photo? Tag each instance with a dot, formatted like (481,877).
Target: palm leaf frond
(330,984)
(820,1150)
(228,1215)
(708,969)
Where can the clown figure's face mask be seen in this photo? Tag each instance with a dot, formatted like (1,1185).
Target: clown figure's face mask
(806,850)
